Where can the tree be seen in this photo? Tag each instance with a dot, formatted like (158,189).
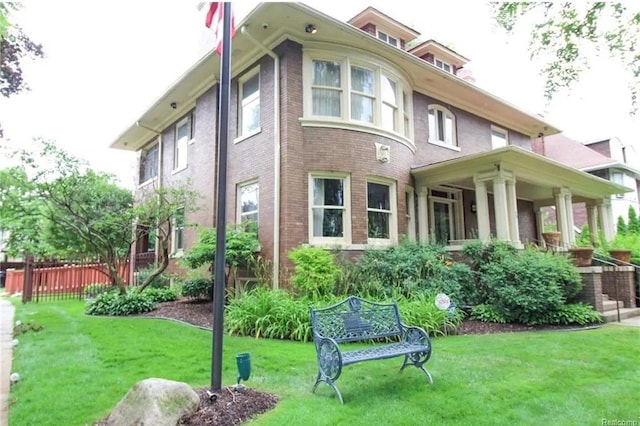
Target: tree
(621,226)
(567,35)
(633,223)
(54,205)
(15,45)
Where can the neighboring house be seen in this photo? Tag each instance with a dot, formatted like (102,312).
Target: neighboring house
(608,159)
(340,137)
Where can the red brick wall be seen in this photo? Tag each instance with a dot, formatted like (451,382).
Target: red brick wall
(625,285)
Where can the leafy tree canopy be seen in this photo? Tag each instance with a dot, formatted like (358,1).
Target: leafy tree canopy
(52,204)
(568,36)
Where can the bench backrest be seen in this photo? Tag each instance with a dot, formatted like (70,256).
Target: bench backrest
(356,319)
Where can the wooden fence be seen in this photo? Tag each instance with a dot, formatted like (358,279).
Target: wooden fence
(53,280)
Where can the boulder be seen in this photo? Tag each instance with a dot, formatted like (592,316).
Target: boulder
(154,402)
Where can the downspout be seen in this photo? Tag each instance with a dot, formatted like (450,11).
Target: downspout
(160,184)
(276,155)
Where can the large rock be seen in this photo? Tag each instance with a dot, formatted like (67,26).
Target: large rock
(154,402)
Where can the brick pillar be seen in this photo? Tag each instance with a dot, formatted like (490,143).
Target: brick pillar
(626,288)
(591,292)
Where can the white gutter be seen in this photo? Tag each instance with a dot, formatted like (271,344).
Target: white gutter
(276,155)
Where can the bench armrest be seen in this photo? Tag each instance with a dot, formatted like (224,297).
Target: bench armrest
(329,357)
(415,335)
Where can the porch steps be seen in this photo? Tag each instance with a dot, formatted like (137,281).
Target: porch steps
(610,305)
(625,313)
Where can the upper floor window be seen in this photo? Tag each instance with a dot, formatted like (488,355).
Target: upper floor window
(360,94)
(443,65)
(149,163)
(182,138)
(499,137)
(442,126)
(388,39)
(329,216)
(327,88)
(248,202)
(381,212)
(249,105)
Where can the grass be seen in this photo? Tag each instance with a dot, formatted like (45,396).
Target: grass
(75,370)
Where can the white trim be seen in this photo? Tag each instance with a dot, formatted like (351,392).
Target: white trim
(434,135)
(456,226)
(252,98)
(177,150)
(500,130)
(410,209)
(347,59)
(346,209)
(239,213)
(392,212)
(177,251)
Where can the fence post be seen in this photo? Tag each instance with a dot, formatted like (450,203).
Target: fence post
(27,285)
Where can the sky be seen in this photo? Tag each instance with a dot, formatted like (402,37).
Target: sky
(107,62)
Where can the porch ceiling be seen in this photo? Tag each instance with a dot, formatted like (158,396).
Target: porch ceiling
(536,176)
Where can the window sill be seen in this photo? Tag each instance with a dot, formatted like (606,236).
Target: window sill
(148,182)
(178,254)
(444,145)
(336,123)
(175,171)
(247,136)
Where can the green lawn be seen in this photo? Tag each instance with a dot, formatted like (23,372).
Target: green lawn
(78,367)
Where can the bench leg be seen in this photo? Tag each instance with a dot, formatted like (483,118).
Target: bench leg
(417,360)
(322,378)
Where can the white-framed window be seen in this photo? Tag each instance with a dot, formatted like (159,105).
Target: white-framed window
(445,214)
(248,202)
(442,126)
(499,137)
(617,177)
(249,104)
(443,65)
(381,211)
(329,208)
(326,88)
(410,212)
(359,93)
(149,163)
(182,137)
(177,240)
(387,38)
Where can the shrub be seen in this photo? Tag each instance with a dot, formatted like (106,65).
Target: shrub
(420,310)
(487,313)
(315,271)
(113,303)
(410,268)
(198,288)
(272,314)
(159,295)
(576,313)
(161,281)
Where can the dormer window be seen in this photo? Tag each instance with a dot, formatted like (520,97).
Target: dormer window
(388,39)
(443,65)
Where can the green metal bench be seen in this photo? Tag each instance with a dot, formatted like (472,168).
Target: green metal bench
(357,320)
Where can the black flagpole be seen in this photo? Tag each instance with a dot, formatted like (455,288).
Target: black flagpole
(221,192)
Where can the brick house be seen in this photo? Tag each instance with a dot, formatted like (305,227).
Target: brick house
(609,159)
(346,135)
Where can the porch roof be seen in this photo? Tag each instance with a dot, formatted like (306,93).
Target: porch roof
(536,176)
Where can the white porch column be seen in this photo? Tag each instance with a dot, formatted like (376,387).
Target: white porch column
(539,224)
(482,211)
(592,221)
(568,200)
(501,208)
(561,216)
(512,205)
(423,215)
(606,222)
